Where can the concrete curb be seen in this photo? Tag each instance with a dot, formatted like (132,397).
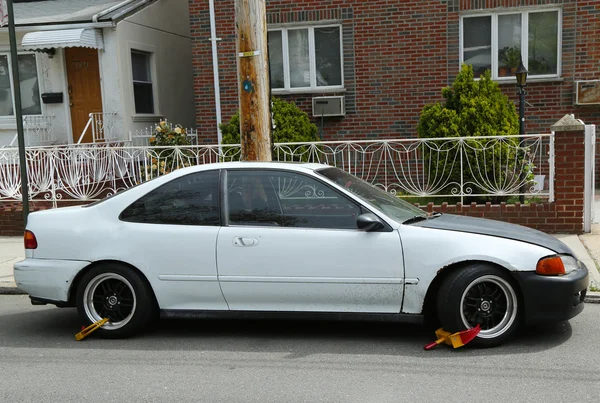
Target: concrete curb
(10,289)
(592,297)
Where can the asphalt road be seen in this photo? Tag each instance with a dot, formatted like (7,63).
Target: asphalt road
(279,361)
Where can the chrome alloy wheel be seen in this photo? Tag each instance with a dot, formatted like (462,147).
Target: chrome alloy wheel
(110,295)
(491,302)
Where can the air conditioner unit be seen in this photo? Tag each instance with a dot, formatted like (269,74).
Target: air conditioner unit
(587,92)
(328,106)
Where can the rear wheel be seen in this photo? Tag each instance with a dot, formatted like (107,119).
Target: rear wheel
(119,294)
(483,295)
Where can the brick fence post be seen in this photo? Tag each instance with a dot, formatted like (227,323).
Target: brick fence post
(569,174)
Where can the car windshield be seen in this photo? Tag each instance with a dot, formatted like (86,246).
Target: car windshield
(390,205)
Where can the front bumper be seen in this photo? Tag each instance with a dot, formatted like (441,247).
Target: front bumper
(553,298)
(47,279)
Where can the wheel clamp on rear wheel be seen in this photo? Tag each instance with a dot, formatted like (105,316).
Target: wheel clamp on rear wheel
(455,340)
(86,331)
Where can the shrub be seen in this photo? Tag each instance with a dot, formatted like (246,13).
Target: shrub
(472,108)
(292,125)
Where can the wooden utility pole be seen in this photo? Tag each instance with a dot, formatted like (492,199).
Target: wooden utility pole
(253,80)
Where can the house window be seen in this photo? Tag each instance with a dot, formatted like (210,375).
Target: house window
(143,93)
(308,58)
(28,77)
(498,42)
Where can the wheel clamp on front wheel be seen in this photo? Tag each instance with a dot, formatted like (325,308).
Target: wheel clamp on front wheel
(86,332)
(455,340)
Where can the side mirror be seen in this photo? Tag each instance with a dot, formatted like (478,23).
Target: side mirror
(369,222)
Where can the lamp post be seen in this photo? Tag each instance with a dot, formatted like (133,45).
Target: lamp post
(521,75)
(8,16)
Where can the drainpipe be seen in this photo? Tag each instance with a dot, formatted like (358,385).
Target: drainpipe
(215,60)
(111,9)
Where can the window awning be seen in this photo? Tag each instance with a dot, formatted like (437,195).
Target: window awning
(66,38)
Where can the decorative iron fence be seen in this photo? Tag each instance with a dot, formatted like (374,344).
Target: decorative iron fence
(102,127)
(38,131)
(457,168)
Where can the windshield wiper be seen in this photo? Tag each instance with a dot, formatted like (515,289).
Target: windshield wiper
(418,218)
(414,219)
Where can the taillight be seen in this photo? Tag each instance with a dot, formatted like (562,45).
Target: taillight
(30,241)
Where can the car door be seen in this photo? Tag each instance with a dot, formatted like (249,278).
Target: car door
(291,244)
(175,227)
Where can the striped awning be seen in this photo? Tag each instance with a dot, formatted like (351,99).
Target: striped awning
(66,38)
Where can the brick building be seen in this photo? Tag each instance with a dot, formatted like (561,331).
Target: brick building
(389,58)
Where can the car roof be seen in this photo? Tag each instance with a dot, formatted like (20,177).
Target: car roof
(296,166)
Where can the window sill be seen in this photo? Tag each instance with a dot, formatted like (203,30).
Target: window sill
(147,118)
(309,91)
(533,80)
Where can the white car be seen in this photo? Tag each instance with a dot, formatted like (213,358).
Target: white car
(257,239)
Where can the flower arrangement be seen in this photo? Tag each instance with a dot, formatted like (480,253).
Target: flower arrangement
(167,157)
(167,135)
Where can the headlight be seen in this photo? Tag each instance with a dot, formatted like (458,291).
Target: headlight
(557,265)
(570,263)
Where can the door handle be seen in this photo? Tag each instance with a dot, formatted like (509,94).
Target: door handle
(239,241)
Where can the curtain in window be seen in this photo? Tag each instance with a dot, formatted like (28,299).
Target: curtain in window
(299,59)
(276,59)
(30,91)
(6,103)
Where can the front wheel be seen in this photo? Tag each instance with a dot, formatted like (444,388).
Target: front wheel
(119,294)
(483,295)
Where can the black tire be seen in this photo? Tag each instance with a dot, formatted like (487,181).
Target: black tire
(480,294)
(119,293)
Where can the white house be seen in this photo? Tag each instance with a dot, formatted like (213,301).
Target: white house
(127,62)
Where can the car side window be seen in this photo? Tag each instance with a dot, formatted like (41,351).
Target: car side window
(251,199)
(188,200)
(287,199)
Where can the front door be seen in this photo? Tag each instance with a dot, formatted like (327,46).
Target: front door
(291,244)
(85,97)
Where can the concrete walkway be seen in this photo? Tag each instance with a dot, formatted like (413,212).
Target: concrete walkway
(11,251)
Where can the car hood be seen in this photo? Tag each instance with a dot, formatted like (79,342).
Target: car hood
(495,228)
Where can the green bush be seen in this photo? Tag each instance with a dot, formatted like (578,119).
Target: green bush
(472,108)
(292,125)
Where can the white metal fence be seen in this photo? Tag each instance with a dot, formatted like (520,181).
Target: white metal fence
(102,127)
(457,167)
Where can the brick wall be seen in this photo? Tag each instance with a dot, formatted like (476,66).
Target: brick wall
(398,54)
(11,216)
(543,217)
(564,215)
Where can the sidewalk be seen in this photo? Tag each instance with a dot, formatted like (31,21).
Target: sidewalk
(586,248)
(11,251)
